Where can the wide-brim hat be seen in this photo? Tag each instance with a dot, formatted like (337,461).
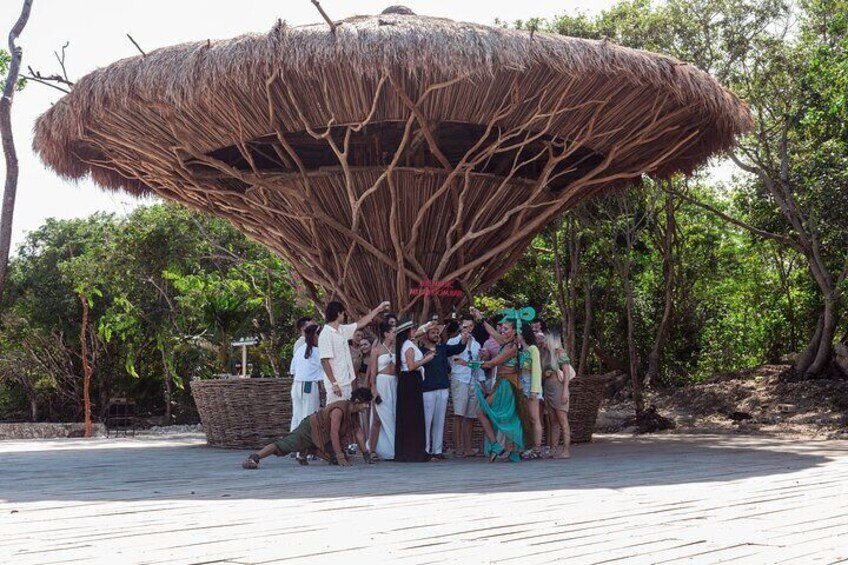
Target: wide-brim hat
(403,326)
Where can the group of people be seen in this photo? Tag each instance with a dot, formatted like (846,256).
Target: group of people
(388,392)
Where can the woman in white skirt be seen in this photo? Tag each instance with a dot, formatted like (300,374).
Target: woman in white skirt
(307,371)
(383,382)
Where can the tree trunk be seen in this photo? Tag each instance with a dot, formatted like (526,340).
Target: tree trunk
(565,318)
(33,409)
(655,355)
(824,352)
(573,274)
(805,359)
(633,358)
(10,155)
(86,368)
(168,390)
(587,328)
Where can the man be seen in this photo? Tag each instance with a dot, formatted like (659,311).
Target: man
(462,385)
(301,326)
(322,433)
(436,386)
(339,371)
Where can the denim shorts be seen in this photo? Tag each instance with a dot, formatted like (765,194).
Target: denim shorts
(525,386)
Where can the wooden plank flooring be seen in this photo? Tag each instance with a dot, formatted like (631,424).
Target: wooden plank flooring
(661,499)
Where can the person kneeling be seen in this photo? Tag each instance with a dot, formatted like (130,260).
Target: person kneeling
(323,433)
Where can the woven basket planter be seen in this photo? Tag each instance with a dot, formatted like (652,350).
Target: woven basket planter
(243,413)
(586,394)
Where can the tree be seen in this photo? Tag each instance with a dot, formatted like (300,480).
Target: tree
(10,66)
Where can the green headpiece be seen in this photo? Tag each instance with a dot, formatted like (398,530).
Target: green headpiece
(526,314)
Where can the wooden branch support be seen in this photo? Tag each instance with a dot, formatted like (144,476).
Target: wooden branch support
(324,15)
(137,46)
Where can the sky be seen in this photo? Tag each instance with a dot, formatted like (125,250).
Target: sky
(96,31)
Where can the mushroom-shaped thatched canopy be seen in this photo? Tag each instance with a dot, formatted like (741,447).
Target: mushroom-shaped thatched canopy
(393,150)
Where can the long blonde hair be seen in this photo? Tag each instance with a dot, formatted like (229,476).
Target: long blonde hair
(553,343)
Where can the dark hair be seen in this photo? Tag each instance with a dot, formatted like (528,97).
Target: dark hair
(333,310)
(311,336)
(467,318)
(399,341)
(527,334)
(361,394)
(452,327)
(302,322)
(383,329)
(543,325)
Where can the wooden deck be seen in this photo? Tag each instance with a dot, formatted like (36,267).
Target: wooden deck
(663,499)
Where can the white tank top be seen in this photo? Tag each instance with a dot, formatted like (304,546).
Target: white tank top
(384,360)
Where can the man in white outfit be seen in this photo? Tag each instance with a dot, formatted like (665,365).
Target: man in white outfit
(339,372)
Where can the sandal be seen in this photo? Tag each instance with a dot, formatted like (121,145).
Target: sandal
(534,453)
(496,451)
(252,462)
(301,460)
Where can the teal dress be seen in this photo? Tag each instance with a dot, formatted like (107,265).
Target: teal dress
(504,412)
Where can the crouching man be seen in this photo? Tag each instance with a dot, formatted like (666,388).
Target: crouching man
(324,433)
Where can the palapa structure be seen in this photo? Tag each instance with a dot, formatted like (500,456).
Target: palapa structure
(381,153)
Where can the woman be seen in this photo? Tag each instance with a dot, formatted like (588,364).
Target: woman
(557,373)
(409,416)
(307,371)
(502,410)
(383,383)
(530,367)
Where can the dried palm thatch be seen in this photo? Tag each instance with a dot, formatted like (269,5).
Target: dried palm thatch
(391,150)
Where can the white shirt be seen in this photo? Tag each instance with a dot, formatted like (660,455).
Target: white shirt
(464,373)
(307,369)
(417,356)
(300,341)
(333,346)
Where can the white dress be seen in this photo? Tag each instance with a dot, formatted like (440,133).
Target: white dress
(305,370)
(387,389)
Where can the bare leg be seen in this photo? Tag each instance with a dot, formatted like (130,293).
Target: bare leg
(487,427)
(375,432)
(252,462)
(467,427)
(556,430)
(458,436)
(562,418)
(268,450)
(535,417)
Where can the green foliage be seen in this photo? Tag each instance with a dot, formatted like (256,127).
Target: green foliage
(5,61)
(168,291)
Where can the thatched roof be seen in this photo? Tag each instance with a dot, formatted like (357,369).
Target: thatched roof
(254,127)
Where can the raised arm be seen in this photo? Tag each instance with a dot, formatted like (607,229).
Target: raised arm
(414,365)
(363,322)
(507,353)
(493,332)
(456,349)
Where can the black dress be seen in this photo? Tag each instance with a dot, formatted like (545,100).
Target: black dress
(409,419)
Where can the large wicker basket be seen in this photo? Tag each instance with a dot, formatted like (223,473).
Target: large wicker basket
(586,393)
(243,413)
